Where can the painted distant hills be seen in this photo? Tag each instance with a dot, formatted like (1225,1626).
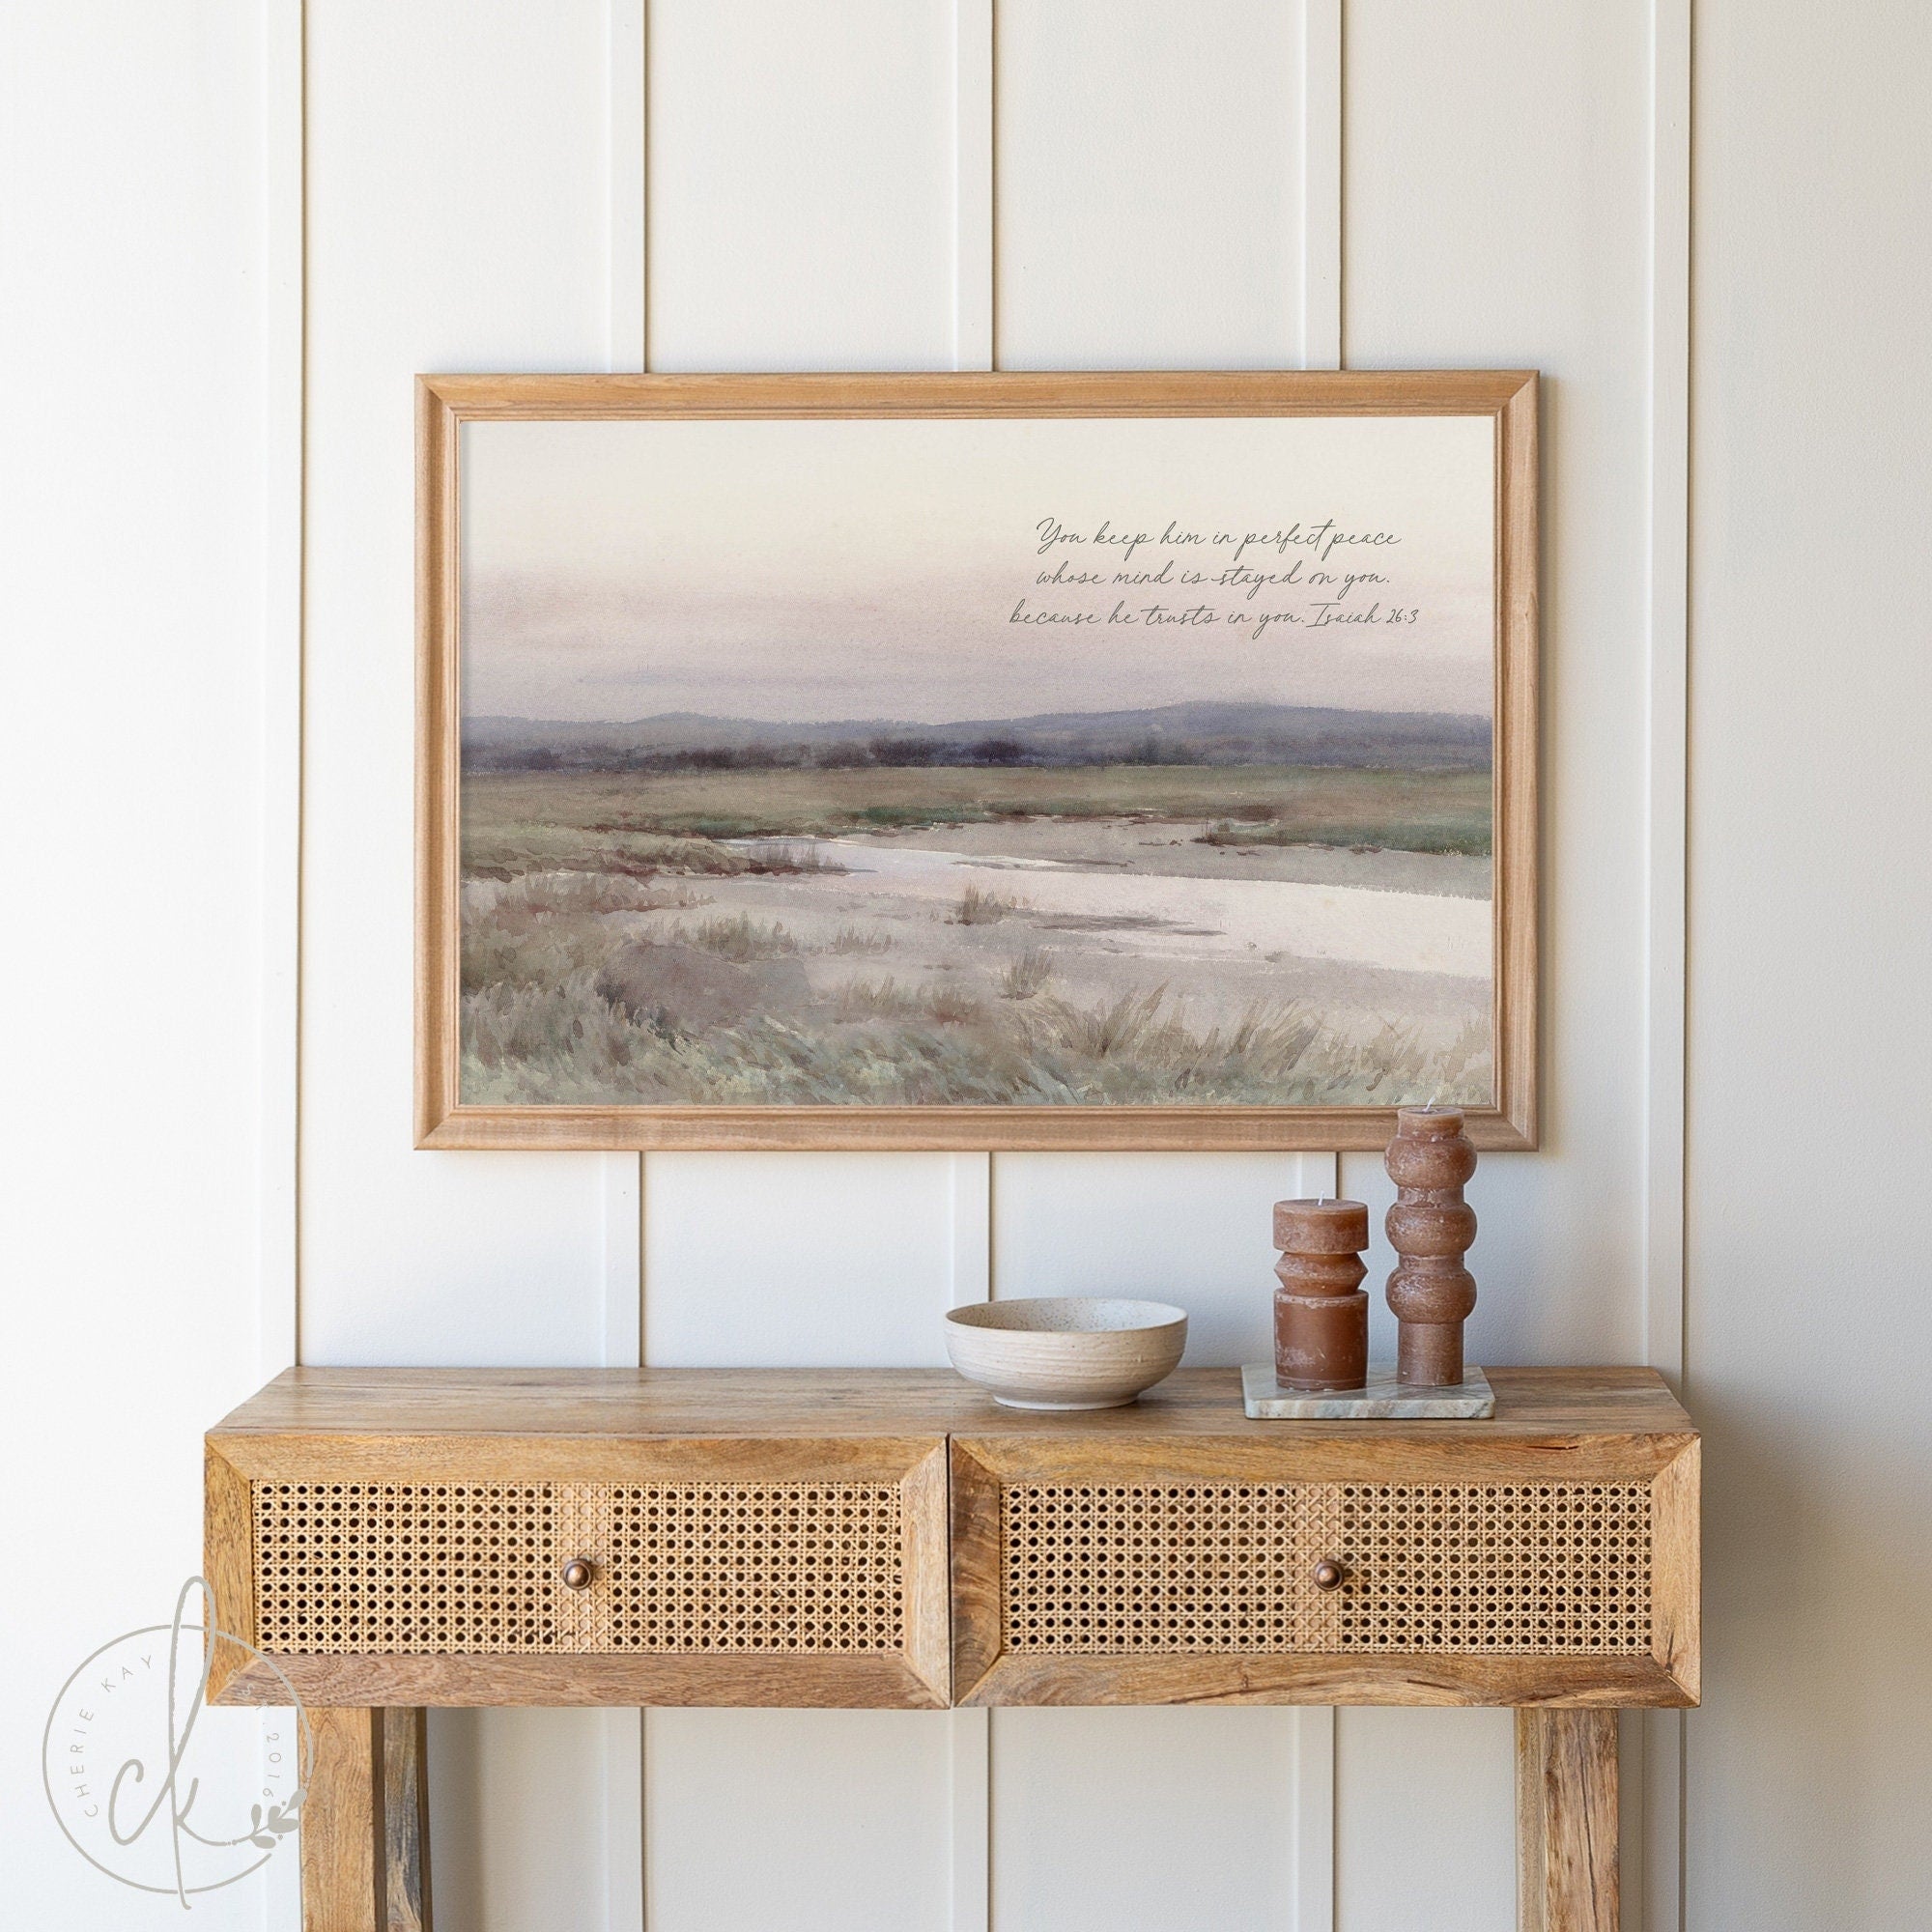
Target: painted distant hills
(1190,734)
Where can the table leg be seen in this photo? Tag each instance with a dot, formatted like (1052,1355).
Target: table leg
(406,1817)
(1566,1821)
(365,1823)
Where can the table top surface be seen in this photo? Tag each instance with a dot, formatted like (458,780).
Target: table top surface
(1532,1404)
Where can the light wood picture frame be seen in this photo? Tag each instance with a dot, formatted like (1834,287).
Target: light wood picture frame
(707,663)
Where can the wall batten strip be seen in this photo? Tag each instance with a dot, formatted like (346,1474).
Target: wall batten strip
(622,1733)
(973,184)
(622,1737)
(624,137)
(1312,1823)
(970,1820)
(1321,106)
(971,1210)
(284,356)
(1310,1175)
(970,1901)
(1656,1849)
(622,1175)
(1313,1818)
(1667,570)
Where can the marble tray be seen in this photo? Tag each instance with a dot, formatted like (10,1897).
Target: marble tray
(1383,1398)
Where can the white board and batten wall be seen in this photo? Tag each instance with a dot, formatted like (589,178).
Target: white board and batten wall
(289,211)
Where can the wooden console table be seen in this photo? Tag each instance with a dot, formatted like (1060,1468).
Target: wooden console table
(397,1539)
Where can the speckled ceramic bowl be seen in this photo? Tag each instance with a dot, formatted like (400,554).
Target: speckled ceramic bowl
(1065,1352)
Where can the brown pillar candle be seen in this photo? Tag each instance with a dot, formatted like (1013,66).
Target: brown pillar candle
(1320,1313)
(1431,1227)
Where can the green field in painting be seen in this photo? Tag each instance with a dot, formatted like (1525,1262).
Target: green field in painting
(645,822)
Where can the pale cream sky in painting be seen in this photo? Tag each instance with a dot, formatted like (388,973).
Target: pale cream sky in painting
(815,570)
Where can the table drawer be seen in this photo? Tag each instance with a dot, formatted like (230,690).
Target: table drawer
(703,1571)
(1077,1586)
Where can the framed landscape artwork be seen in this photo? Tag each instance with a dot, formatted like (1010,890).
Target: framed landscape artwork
(975,761)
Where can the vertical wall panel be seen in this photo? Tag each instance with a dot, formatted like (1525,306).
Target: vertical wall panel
(518,1808)
(1149,213)
(797,1259)
(1498,205)
(1496,202)
(1808,1770)
(1425,1832)
(801,184)
(457,219)
(1161,1820)
(1149,180)
(817,1821)
(801,214)
(132,484)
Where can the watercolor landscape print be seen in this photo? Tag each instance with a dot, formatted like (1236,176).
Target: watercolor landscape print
(1019,762)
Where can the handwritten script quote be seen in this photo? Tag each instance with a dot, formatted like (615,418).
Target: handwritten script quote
(1310,576)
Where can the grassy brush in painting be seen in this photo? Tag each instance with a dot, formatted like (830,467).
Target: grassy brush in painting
(1089,933)
(881,1044)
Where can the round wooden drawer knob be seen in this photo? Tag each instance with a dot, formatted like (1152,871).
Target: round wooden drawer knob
(577,1575)
(1327,1574)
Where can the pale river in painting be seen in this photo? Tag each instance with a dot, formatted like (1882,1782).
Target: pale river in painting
(1194,918)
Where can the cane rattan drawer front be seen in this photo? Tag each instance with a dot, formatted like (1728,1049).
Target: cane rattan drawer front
(1191,1569)
(1165,1568)
(748,1569)
(738,1570)
(477,1569)
(1284,1564)
(1495,1569)
(405,1569)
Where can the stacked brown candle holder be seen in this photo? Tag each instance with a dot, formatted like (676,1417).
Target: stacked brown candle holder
(1321,1365)
(1321,1312)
